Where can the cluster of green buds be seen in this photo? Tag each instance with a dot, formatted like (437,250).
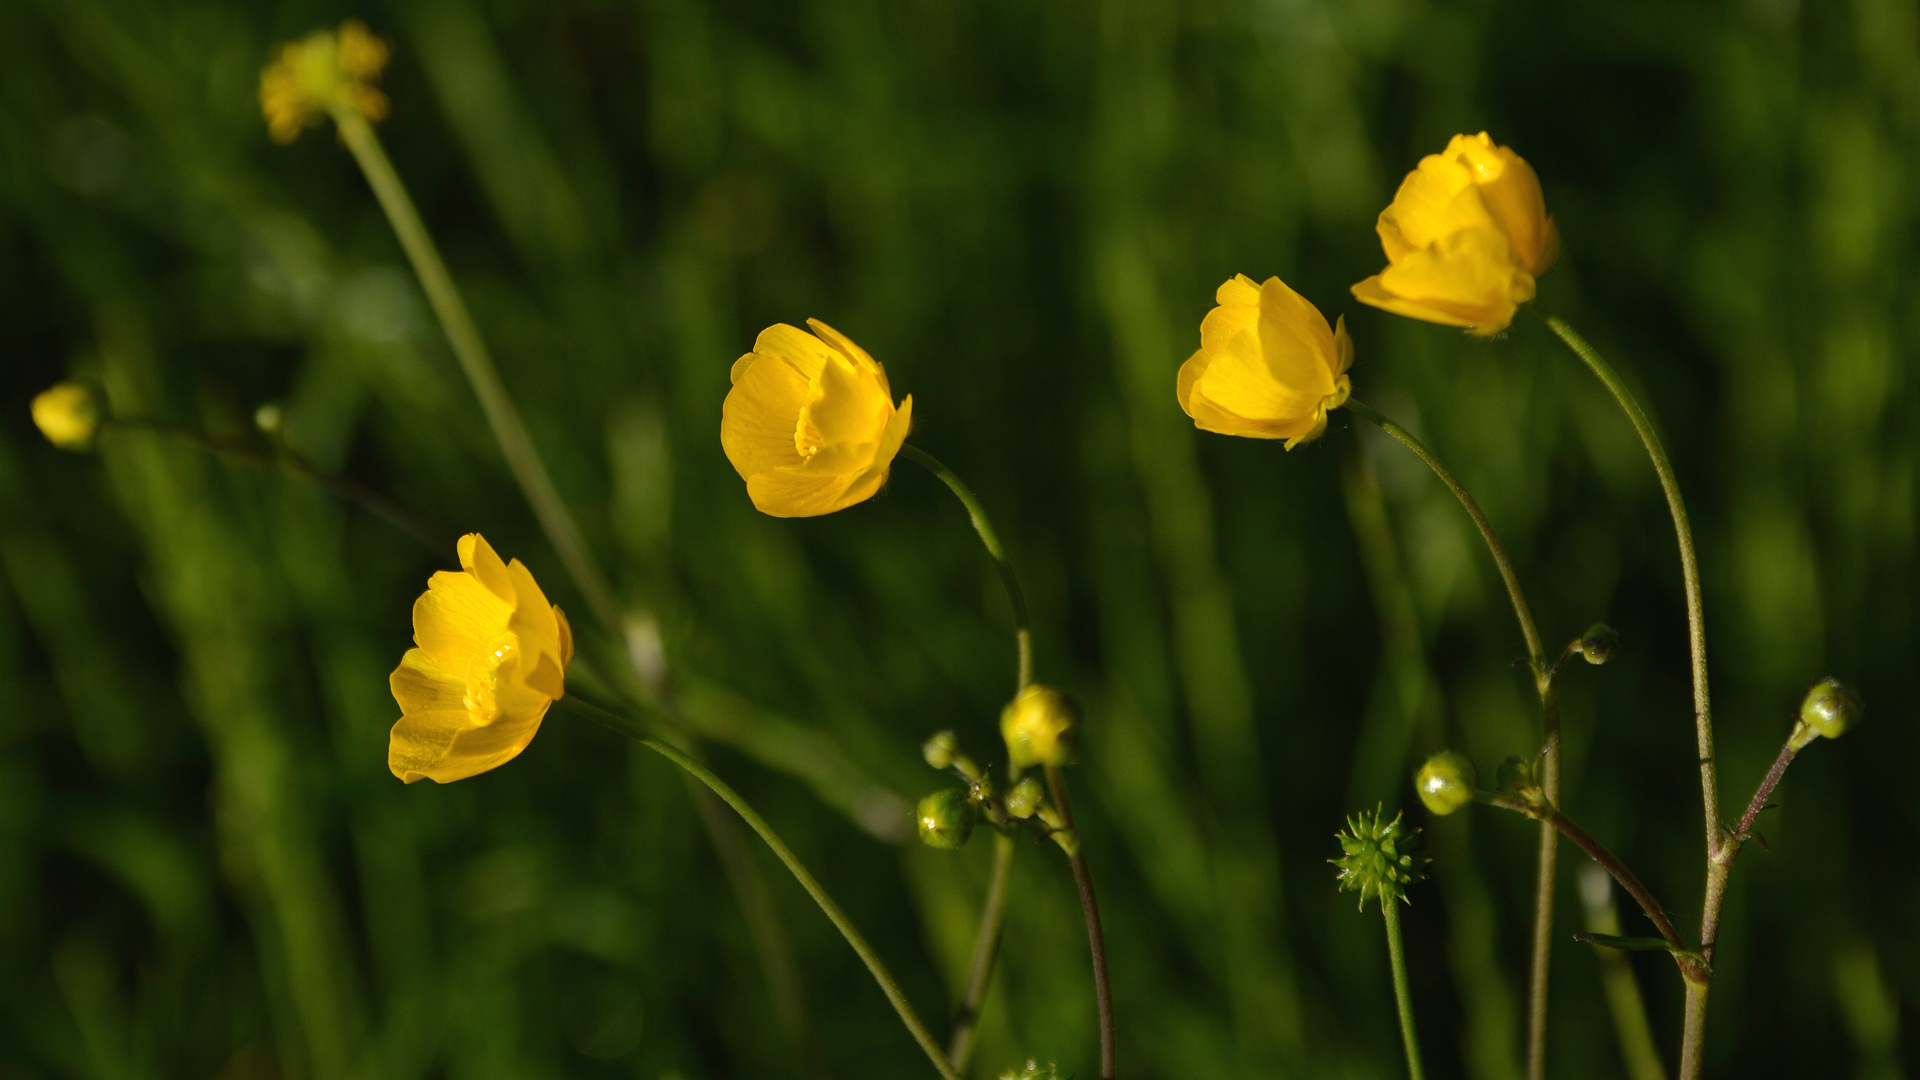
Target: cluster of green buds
(1379,859)
(1038,725)
(1829,710)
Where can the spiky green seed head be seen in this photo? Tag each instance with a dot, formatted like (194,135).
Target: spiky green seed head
(1379,859)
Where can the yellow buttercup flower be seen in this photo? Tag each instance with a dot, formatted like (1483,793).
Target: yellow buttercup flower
(492,657)
(68,414)
(1269,366)
(1466,235)
(810,423)
(321,72)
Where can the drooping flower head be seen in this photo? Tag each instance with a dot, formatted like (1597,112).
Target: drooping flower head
(68,414)
(810,423)
(321,72)
(492,657)
(1269,366)
(1465,237)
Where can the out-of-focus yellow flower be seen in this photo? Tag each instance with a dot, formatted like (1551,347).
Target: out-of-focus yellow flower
(1466,235)
(810,423)
(1269,366)
(68,414)
(321,72)
(1039,726)
(492,657)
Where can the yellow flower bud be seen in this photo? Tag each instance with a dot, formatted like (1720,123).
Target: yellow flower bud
(1830,709)
(1039,726)
(1025,799)
(68,414)
(1465,236)
(1446,783)
(946,819)
(810,423)
(492,657)
(1269,366)
(319,73)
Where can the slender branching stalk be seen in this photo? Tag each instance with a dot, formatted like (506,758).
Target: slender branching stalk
(1023,644)
(1694,1031)
(1402,990)
(1550,721)
(888,985)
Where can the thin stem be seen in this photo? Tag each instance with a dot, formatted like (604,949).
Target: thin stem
(1022,635)
(1760,796)
(1402,992)
(986,944)
(1096,938)
(471,350)
(297,468)
(632,730)
(1624,999)
(1550,725)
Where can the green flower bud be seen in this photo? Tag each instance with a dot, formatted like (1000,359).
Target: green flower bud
(1033,1071)
(270,418)
(1516,774)
(1025,798)
(946,819)
(1379,859)
(1039,726)
(1598,643)
(1830,709)
(1446,782)
(940,749)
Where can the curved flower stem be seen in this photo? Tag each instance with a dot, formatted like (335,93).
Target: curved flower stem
(298,468)
(1096,938)
(1402,992)
(1550,721)
(475,361)
(1022,633)
(632,730)
(1694,1030)
(986,944)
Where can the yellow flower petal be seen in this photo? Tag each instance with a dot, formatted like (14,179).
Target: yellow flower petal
(1466,279)
(1268,366)
(68,414)
(758,419)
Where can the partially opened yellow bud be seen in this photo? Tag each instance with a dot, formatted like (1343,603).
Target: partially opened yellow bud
(1038,726)
(319,73)
(492,657)
(1269,366)
(1465,236)
(810,423)
(68,414)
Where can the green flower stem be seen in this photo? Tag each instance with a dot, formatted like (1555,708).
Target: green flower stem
(1624,1000)
(471,350)
(1550,721)
(1402,992)
(986,944)
(632,730)
(1022,634)
(297,468)
(1694,1029)
(1096,938)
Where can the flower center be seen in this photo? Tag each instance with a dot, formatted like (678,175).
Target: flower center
(483,676)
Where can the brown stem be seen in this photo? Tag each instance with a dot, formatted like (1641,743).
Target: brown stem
(1096,938)
(1761,794)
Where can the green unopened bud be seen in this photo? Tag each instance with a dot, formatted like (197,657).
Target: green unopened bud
(1598,643)
(1039,725)
(1446,782)
(1025,798)
(1516,774)
(68,414)
(1830,709)
(940,749)
(1379,859)
(1033,1071)
(270,418)
(946,819)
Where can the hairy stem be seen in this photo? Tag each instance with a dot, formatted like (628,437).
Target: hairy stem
(1402,991)
(1022,634)
(1550,724)
(986,944)
(624,726)
(1096,938)
(1696,1016)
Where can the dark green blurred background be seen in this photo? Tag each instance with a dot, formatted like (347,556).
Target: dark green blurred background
(1022,209)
